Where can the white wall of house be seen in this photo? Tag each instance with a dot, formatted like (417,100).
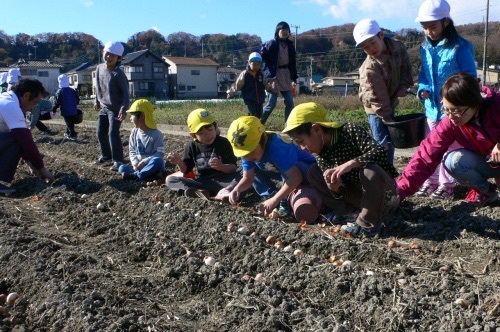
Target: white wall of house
(197,81)
(48,77)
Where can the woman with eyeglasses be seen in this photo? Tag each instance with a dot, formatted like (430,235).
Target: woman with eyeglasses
(444,53)
(474,123)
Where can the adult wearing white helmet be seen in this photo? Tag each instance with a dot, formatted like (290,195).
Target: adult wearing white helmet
(444,53)
(112,101)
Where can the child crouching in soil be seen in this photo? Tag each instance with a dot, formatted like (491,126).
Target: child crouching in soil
(146,149)
(353,171)
(263,155)
(210,154)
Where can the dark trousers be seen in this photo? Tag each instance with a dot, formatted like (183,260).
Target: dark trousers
(70,125)
(108,134)
(39,124)
(370,196)
(254,109)
(10,153)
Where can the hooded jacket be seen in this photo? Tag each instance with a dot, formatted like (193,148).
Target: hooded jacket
(438,63)
(381,78)
(484,127)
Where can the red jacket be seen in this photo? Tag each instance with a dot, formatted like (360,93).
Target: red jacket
(484,128)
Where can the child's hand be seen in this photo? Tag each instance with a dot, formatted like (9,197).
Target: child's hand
(215,163)
(424,94)
(268,206)
(174,158)
(228,96)
(234,197)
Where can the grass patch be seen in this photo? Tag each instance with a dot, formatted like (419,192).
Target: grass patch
(342,109)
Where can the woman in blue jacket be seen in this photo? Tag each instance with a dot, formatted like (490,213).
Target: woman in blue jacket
(280,60)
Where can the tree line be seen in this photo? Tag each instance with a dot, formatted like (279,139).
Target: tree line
(327,51)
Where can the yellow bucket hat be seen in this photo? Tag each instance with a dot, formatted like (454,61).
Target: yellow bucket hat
(144,106)
(199,118)
(244,134)
(308,112)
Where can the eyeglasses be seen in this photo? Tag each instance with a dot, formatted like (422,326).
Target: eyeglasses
(456,113)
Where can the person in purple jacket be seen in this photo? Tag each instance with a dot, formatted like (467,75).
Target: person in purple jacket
(16,141)
(67,99)
(474,123)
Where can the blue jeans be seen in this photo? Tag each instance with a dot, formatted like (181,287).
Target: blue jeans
(108,134)
(150,171)
(470,169)
(381,134)
(271,104)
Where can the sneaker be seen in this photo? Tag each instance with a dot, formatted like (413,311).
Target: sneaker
(102,160)
(71,138)
(283,210)
(6,190)
(197,193)
(443,192)
(355,230)
(426,190)
(130,177)
(330,217)
(475,197)
(116,165)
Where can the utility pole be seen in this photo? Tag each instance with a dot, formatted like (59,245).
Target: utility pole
(35,47)
(296,29)
(485,40)
(312,70)
(202,48)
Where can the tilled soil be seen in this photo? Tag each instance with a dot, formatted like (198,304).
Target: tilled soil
(139,261)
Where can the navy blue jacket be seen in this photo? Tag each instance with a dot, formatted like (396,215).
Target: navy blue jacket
(269,54)
(253,90)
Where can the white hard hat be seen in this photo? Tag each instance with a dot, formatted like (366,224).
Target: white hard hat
(254,57)
(365,29)
(433,10)
(114,47)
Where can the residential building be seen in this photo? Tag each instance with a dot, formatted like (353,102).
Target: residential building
(43,70)
(226,76)
(192,78)
(337,85)
(147,74)
(80,79)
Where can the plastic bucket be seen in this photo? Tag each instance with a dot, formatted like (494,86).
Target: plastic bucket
(407,131)
(306,204)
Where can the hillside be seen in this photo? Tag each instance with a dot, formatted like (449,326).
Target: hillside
(328,51)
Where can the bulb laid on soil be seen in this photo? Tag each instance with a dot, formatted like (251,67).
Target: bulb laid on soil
(231,227)
(259,277)
(271,239)
(210,261)
(297,252)
(11,298)
(243,230)
(100,206)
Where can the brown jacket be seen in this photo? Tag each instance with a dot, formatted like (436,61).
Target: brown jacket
(381,78)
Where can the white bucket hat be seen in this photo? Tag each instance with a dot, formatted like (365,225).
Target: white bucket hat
(13,75)
(365,29)
(114,47)
(433,10)
(63,81)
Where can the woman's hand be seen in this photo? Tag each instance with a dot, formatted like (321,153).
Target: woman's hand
(174,158)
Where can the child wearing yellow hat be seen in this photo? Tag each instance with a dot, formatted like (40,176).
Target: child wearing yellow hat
(353,171)
(265,154)
(146,148)
(211,155)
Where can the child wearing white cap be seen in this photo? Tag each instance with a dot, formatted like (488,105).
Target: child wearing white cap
(444,53)
(13,77)
(67,99)
(252,82)
(384,77)
(112,101)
